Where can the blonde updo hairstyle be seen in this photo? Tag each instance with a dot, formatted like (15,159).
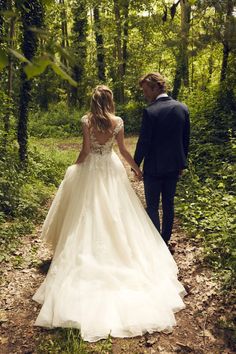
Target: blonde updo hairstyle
(102,108)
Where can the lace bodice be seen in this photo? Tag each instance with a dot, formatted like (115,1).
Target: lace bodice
(106,148)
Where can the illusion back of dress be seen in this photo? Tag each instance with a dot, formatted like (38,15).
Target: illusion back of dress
(106,147)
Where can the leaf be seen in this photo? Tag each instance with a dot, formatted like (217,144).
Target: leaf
(63,74)
(32,70)
(66,54)
(3,340)
(3,316)
(37,67)
(39,31)
(48,2)
(8,14)
(192,2)
(3,59)
(19,56)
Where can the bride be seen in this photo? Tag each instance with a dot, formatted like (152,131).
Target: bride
(111,271)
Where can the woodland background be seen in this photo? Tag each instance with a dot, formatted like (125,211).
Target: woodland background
(52,53)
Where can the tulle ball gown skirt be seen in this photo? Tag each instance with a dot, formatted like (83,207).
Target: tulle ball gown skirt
(111,272)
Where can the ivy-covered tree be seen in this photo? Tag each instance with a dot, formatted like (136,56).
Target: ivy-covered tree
(125,33)
(79,45)
(228,35)
(4,29)
(31,16)
(182,68)
(3,7)
(121,15)
(99,44)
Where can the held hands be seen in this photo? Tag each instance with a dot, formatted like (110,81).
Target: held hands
(138,175)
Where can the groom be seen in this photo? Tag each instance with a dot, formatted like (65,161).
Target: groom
(163,145)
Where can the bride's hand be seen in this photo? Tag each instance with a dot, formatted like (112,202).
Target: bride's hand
(138,175)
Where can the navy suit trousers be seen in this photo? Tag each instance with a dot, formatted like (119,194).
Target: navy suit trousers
(164,186)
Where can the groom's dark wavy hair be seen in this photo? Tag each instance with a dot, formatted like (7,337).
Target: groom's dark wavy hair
(153,80)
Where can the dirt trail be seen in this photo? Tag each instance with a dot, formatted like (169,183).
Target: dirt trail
(197,329)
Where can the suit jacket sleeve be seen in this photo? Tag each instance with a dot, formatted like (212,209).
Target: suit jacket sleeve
(186,134)
(144,140)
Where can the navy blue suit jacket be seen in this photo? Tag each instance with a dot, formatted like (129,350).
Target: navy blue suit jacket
(164,137)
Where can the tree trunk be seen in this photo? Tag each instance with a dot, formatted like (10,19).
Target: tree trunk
(210,67)
(79,30)
(126,32)
(182,67)
(10,71)
(177,79)
(6,31)
(31,15)
(6,112)
(119,90)
(226,51)
(185,26)
(3,7)
(64,44)
(226,44)
(99,44)
(64,28)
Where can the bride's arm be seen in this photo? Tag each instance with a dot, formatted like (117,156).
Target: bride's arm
(85,146)
(125,153)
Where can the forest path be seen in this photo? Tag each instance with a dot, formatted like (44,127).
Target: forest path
(196,331)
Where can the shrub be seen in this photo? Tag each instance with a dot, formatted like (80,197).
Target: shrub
(131,113)
(206,201)
(57,122)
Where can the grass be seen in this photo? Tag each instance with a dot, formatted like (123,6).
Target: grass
(63,150)
(69,341)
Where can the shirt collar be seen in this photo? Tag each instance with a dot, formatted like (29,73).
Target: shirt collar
(162,95)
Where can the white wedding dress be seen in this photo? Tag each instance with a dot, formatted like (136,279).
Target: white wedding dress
(111,271)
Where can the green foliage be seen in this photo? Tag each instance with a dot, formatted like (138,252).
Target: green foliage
(208,211)
(206,200)
(212,114)
(69,341)
(37,67)
(24,193)
(3,59)
(58,70)
(132,115)
(19,56)
(58,121)
(6,107)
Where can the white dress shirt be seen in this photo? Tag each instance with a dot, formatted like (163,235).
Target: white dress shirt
(162,95)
